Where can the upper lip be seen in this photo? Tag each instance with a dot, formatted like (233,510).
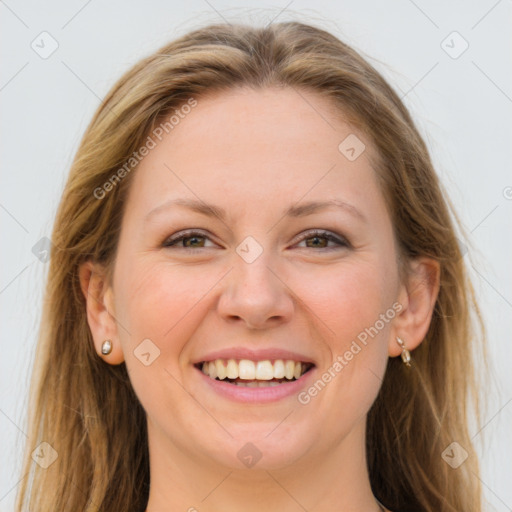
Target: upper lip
(254,355)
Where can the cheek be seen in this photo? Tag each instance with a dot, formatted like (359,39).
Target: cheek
(349,299)
(349,302)
(164,302)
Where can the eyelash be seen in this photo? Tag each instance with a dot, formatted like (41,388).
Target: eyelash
(341,241)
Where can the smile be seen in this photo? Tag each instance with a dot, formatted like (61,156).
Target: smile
(248,373)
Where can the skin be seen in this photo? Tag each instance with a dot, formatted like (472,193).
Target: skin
(255,153)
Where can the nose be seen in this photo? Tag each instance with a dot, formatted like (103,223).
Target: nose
(256,295)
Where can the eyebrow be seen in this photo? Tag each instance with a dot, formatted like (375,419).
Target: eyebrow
(302,210)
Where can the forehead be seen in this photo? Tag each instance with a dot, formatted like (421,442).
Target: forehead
(247,148)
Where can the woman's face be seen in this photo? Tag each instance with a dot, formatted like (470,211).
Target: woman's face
(255,282)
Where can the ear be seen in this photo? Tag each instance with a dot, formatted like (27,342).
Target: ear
(417,297)
(99,299)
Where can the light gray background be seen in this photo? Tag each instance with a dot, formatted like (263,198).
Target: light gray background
(462,106)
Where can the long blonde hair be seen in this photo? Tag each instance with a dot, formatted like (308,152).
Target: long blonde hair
(87,410)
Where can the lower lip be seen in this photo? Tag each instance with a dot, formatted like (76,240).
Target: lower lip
(257,395)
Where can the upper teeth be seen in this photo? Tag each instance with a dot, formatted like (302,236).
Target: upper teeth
(249,370)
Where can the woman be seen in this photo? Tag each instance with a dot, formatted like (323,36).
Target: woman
(256,298)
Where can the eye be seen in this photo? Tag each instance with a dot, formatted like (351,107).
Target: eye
(319,239)
(315,239)
(187,240)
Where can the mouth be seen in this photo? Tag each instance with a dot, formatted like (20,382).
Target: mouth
(254,374)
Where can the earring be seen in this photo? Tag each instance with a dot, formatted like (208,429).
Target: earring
(406,355)
(106,347)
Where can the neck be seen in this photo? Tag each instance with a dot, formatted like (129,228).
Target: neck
(332,479)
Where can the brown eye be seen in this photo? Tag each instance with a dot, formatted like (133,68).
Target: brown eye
(184,240)
(191,241)
(317,241)
(321,239)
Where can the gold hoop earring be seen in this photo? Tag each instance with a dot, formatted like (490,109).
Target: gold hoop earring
(106,347)
(406,355)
